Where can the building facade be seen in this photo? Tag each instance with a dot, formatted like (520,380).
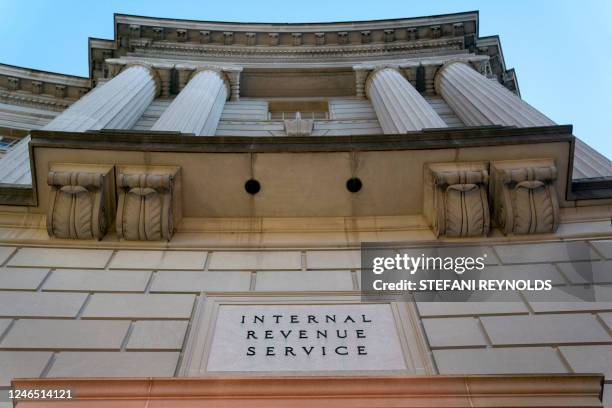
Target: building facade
(184,226)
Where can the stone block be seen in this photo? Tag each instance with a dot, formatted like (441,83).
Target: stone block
(114,364)
(81,201)
(527,360)
(333,259)
(190,260)
(33,304)
(589,359)
(5,252)
(571,251)
(604,247)
(66,334)
(497,303)
(454,332)
(607,319)
(139,306)
(4,324)
(571,299)
(61,258)
(149,202)
(303,281)
(22,278)
(157,335)
(524,196)
(252,260)
(545,329)
(587,272)
(526,272)
(91,280)
(22,364)
(181,281)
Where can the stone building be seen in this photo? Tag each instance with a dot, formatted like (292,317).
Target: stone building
(196,206)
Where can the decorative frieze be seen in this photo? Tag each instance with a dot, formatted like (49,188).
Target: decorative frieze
(80,202)
(343,37)
(148,203)
(456,203)
(524,196)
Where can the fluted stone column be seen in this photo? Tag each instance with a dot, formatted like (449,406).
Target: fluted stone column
(198,107)
(399,107)
(117,104)
(479,101)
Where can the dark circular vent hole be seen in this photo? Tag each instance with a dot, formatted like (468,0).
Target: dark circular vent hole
(353,185)
(252,186)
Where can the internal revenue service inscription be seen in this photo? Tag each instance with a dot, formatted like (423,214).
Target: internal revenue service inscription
(305,338)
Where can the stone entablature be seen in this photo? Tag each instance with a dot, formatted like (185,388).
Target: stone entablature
(39,89)
(264,43)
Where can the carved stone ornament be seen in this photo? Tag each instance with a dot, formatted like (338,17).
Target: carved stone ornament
(458,204)
(76,205)
(524,197)
(145,208)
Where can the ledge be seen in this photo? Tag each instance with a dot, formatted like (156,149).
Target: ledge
(177,142)
(422,391)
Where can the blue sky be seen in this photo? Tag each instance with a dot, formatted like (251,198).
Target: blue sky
(560,49)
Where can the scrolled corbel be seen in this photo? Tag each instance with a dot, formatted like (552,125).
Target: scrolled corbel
(456,201)
(147,204)
(524,196)
(76,205)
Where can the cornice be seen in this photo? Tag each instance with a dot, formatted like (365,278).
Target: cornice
(291,27)
(35,101)
(45,76)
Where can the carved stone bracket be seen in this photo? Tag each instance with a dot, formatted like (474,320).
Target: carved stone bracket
(148,203)
(524,196)
(456,203)
(78,204)
(298,127)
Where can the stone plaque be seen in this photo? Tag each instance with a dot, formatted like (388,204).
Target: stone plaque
(305,338)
